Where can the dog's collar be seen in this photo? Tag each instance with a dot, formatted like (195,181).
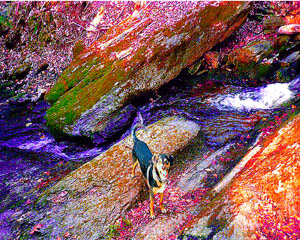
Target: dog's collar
(156,175)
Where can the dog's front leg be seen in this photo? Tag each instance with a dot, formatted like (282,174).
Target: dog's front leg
(162,207)
(152,204)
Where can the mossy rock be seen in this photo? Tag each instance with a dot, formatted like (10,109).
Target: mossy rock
(245,58)
(113,71)
(250,59)
(273,23)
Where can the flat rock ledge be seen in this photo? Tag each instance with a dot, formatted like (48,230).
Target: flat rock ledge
(91,198)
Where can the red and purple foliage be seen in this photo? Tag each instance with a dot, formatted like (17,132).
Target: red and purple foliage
(179,205)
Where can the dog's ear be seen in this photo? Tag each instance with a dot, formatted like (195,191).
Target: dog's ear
(170,158)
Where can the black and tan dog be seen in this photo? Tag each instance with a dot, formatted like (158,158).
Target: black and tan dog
(155,168)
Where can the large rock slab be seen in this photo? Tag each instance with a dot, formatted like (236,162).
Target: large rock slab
(132,59)
(259,199)
(91,198)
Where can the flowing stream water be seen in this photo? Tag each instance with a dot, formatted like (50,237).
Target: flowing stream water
(32,160)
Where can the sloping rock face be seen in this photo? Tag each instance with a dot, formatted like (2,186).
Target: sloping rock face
(91,198)
(131,59)
(262,200)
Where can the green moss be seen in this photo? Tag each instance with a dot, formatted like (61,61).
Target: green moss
(262,70)
(80,98)
(78,48)
(17,204)
(55,93)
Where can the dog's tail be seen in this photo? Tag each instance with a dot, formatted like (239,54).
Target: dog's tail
(133,132)
(139,124)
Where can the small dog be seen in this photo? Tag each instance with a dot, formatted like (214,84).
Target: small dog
(155,168)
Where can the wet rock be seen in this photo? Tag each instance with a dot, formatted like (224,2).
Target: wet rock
(281,42)
(259,198)
(117,125)
(273,23)
(289,29)
(42,68)
(12,40)
(295,56)
(253,59)
(245,58)
(91,198)
(132,59)
(21,71)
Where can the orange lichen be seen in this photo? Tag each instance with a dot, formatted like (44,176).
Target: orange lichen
(273,195)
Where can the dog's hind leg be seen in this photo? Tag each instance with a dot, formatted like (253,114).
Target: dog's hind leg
(134,163)
(133,168)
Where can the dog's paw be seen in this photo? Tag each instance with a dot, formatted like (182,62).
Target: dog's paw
(153,216)
(132,176)
(163,210)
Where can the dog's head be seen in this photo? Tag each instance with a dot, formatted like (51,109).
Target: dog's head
(162,163)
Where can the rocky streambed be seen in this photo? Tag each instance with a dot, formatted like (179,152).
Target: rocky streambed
(207,133)
(227,112)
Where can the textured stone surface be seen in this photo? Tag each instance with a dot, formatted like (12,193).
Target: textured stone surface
(91,198)
(132,59)
(261,199)
(245,58)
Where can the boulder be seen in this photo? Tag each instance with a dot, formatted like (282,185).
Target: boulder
(259,199)
(248,57)
(289,29)
(212,59)
(20,71)
(91,198)
(134,58)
